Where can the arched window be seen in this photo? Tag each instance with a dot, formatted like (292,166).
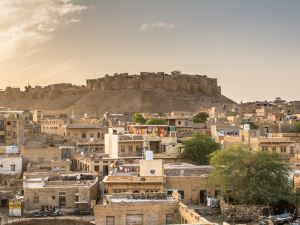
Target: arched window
(83,135)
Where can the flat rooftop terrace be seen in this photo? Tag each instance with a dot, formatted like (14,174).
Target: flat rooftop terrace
(149,197)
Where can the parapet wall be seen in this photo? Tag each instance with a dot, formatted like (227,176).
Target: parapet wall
(148,81)
(49,221)
(145,81)
(49,92)
(240,213)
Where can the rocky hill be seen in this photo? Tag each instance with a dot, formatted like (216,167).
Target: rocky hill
(147,92)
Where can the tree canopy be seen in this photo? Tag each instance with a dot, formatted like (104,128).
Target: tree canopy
(198,149)
(251,177)
(296,127)
(200,117)
(138,118)
(157,121)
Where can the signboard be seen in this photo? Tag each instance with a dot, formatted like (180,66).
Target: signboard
(12,149)
(15,208)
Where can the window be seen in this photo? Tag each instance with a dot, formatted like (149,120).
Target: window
(264,148)
(8,123)
(169,219)
(274,149)
(137,148)
(36,199)
(181,192)
(122,148)
(130,148)
(62,201)
(292,150)
(283,149)
(12,167)
(170,192)
(96,168)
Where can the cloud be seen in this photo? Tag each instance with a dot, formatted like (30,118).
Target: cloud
(157,26)
(26,24)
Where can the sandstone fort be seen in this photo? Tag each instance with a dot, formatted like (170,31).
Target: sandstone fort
(175,90)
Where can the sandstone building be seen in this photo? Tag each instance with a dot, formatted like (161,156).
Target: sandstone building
(11,128)
(65,190)
(145,209)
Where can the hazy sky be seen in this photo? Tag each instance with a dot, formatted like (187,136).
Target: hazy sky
(251,46)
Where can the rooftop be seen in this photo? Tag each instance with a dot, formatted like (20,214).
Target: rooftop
(186,169)
(84,126)
(41,180)
(149,197)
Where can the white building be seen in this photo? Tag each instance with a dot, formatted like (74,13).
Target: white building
(111,141)
(10,164)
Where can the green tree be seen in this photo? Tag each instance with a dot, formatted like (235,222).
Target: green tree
(198,149)
(296,127)
(251,177)
(200,117)
(157,121)
(138,118)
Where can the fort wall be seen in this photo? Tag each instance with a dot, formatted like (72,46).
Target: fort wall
(160,80)
(145,81)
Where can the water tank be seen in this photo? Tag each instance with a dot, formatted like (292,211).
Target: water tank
(149,155)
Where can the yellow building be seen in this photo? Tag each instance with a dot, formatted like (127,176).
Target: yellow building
(282,145)
(64,190)
(11,128)
(150,178)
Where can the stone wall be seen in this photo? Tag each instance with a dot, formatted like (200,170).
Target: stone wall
(151,212)
(124,81)
(48,92)
(189,216)
(240,213)
(148,81)
(51,221)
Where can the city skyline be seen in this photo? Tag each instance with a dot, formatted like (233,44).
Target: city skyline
(249,46)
